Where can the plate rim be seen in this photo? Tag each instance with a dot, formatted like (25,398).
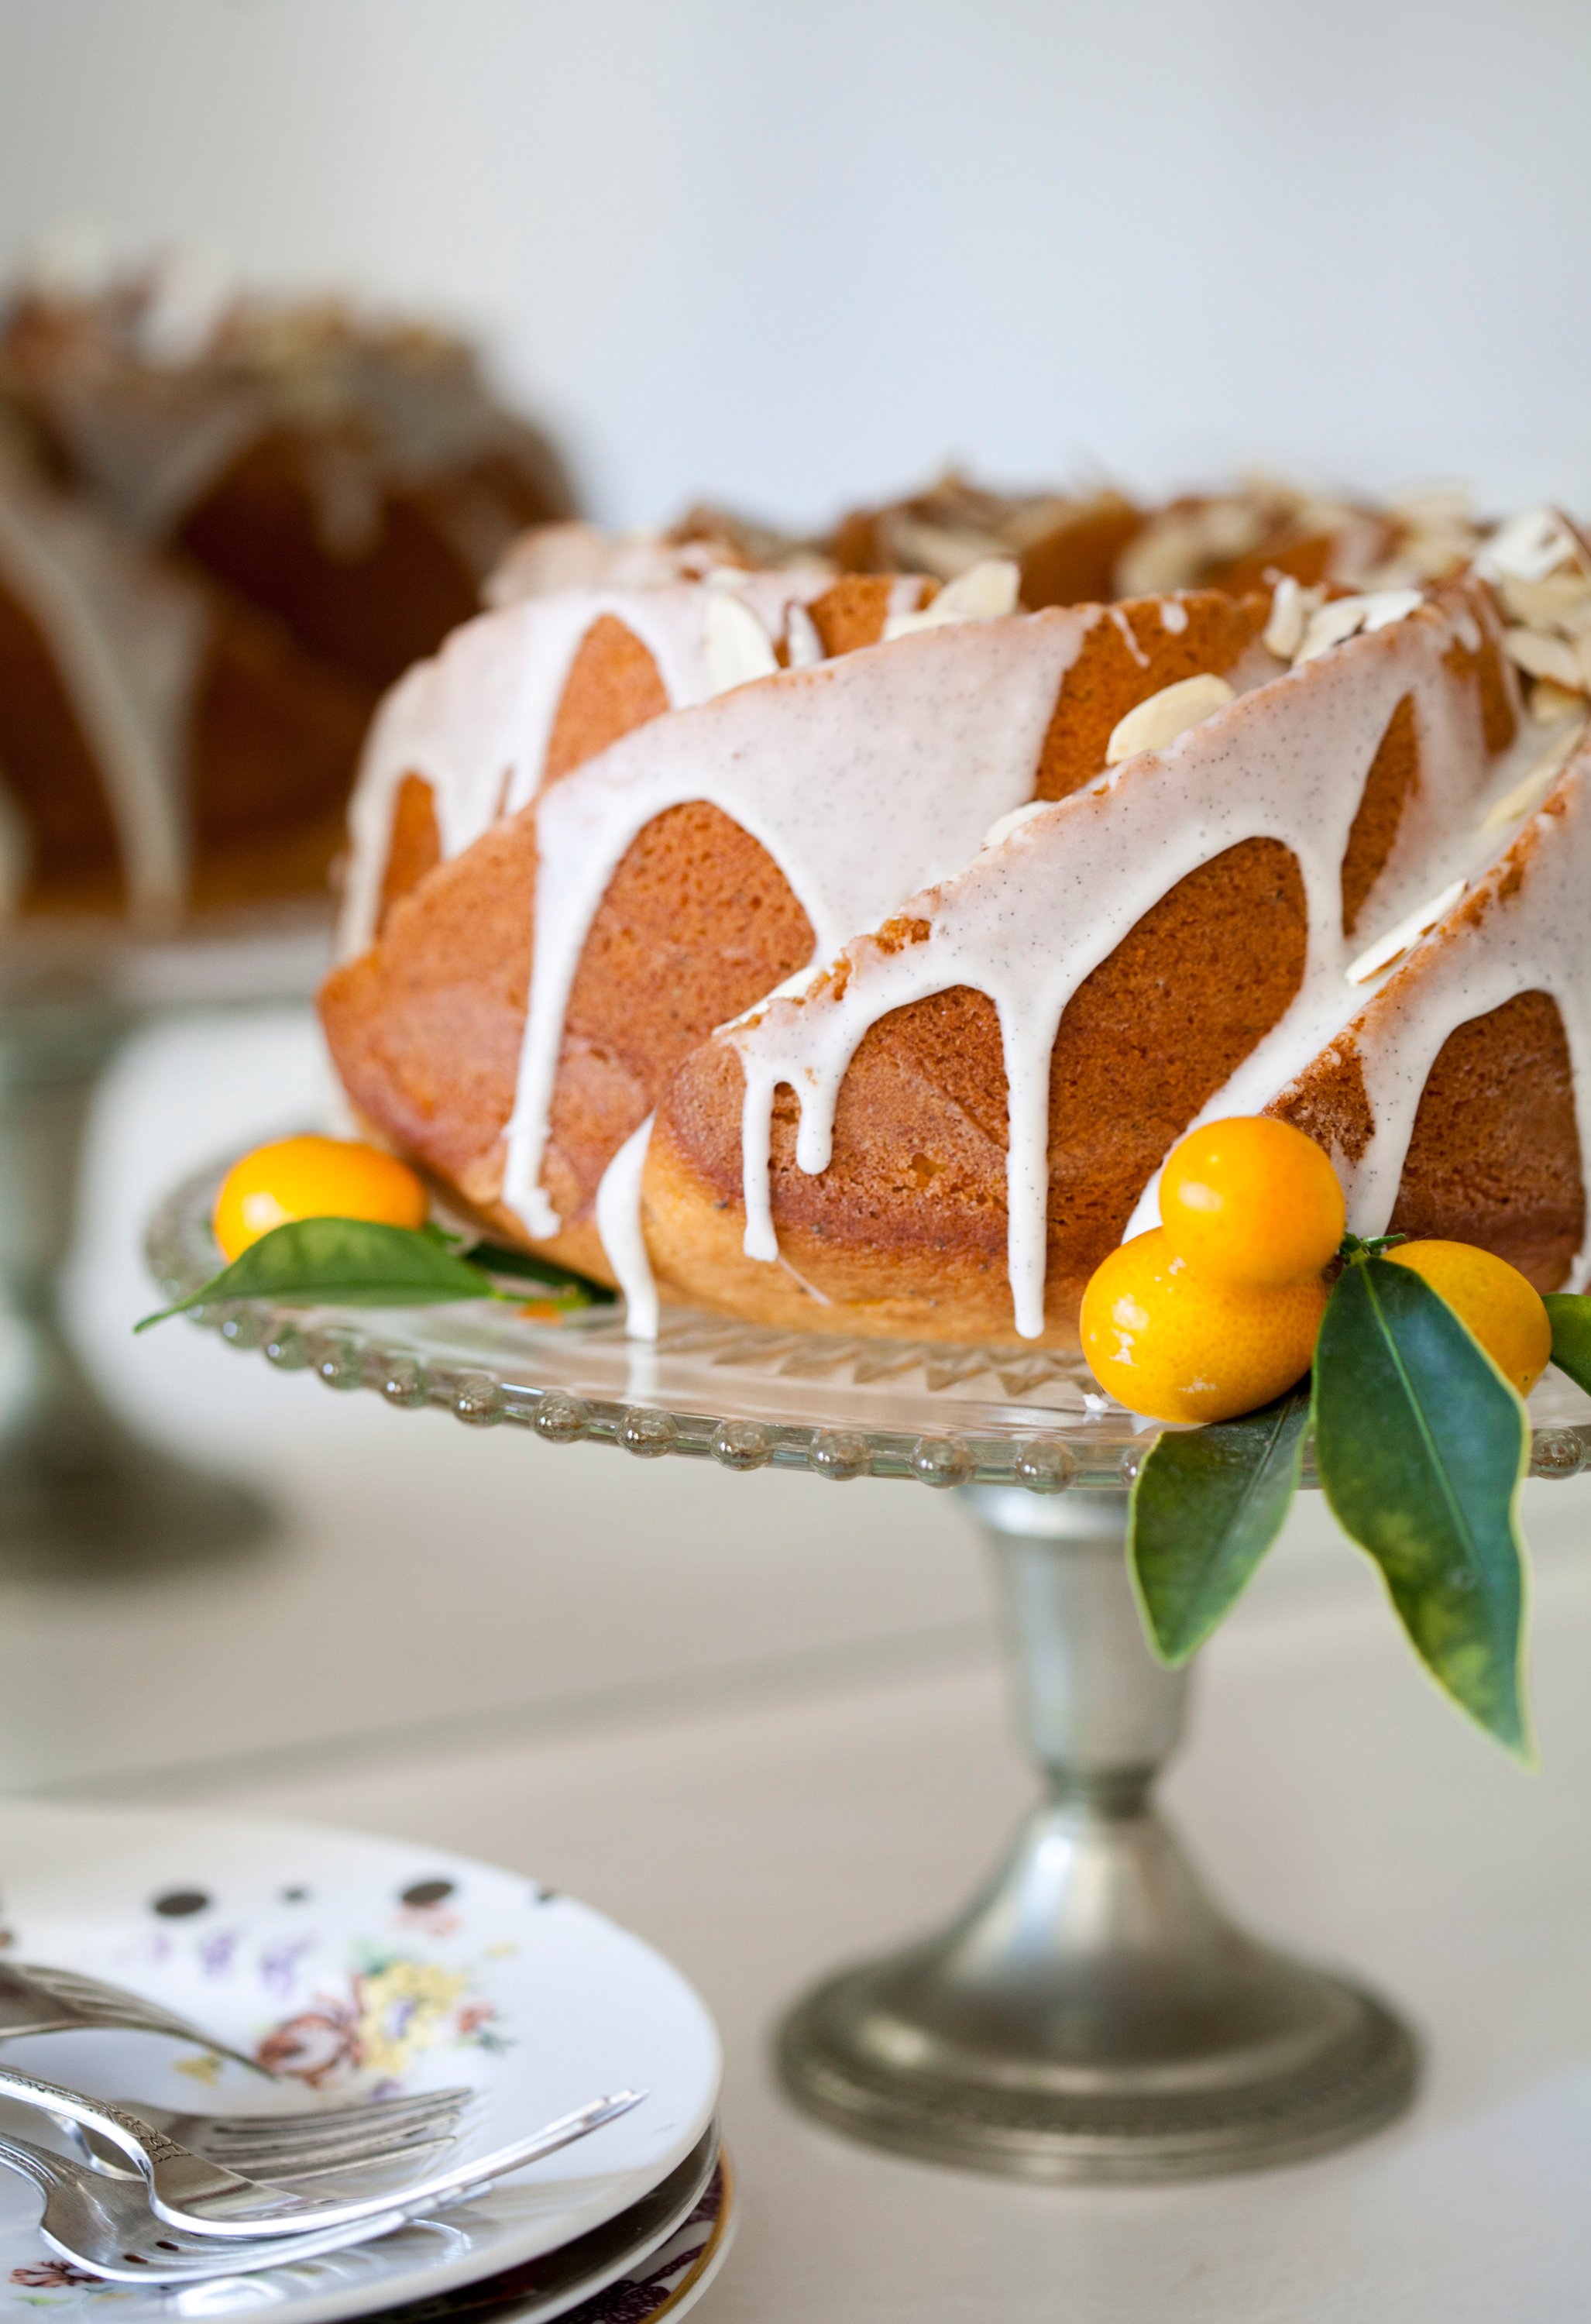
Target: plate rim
(453,2273)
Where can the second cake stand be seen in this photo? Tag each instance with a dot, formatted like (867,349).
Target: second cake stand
(1092,2014)
(81,1489)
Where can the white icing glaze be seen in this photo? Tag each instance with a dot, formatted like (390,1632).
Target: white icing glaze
(128,640)
(865,779)
(619,1224)
(1032,917)
(1524,927)
(1129,638)
(474,722)
(1174,616)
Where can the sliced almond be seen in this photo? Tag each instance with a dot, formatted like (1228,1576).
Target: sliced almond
(1292,610)
(947,551)
(1542,655)
(735,646)
(1532,544)
(1549,703)
(984,593)
(1408,932)
(1561,602)
(1003,824)
(802,640)
(1535,786)
(1154,724)
(1345,617)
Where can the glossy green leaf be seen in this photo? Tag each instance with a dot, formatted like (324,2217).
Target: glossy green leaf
(1206,1507)
(342,1263)
(1422,1445)
(1571,1334)
(560,1282)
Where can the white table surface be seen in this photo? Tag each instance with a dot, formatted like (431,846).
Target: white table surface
(762,1720)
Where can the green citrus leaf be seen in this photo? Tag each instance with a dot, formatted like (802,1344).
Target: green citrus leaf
(341,1263)
(1571,1334)
(1206,1507)
(1422,1445)
(561,1283)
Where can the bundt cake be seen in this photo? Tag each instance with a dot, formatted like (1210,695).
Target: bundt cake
(847,955)
(1071,548)
(351,476)
(162,746)
(223,529)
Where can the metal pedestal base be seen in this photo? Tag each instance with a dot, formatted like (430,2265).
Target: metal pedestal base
(80,1492)
(1093,2015)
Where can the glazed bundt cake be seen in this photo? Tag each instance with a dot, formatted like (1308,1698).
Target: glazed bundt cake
(349,476)
(163,746)
(846,953)
(220,535)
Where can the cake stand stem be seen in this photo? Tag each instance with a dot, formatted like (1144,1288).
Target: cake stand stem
(1092,2014)
(79,1490)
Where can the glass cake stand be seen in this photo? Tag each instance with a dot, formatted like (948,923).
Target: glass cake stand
(1092,2014)
(81,1490)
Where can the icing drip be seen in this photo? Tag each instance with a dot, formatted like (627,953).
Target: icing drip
(1174,616)
(619,1224)
(475,720)
(128,640)
(1034,915)
(1128,637)
(865,779)
(1525,927)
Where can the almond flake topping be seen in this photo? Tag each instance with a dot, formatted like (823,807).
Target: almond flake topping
(1534,786)
(1293,608)
(1345,617)
(1155,723)
(983,592)
(735,646)
(1003,824)
(1407,934)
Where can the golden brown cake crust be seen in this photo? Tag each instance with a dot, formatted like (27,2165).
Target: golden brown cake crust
(1109,678)
(697,925)
(1393,778)
(613,685)
(1494,1158)
(904,1232)
(414,847)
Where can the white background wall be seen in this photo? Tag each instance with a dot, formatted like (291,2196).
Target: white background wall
(789,254)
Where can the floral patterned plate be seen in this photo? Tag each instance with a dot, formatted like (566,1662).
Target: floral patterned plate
(351,1967)
(653,2261)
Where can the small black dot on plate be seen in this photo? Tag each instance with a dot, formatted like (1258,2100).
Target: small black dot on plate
(295,1895)
(163,2244)
(427,1892)
(546,1897)
(177,1903)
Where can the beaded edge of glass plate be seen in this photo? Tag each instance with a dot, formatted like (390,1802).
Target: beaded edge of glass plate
(1039,1424)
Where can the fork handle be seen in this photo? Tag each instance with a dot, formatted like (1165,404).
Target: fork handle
(175,2172)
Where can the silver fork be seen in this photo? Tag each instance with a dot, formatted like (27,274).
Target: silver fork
(308,2146)
(38,1999)
(193,2192)
(105,2226)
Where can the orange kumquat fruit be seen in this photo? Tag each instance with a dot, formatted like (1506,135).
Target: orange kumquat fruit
(314,1178)
(1252,1202)
(1506,1312)
(1174,1343)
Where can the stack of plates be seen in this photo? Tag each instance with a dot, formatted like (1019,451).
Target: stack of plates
(362,1966)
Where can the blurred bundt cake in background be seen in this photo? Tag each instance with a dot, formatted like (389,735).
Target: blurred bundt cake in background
(351,475)
(221,531)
